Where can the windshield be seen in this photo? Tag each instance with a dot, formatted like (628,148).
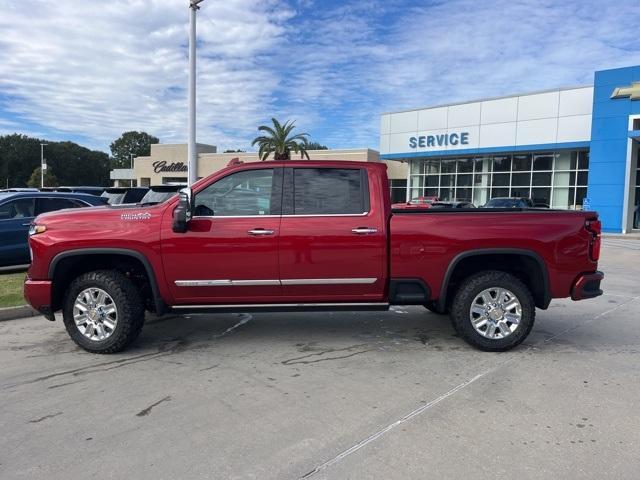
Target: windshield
(505,203)
(114,198)
(157,197)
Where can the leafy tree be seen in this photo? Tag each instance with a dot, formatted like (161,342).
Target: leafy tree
(50,179)
(278,141)
(138,143)
(72,163)
(316,146)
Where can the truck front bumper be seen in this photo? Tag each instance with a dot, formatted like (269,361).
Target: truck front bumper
(38,294)
(587,285)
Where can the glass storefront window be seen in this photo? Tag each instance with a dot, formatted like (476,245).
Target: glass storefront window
(465,165)
(543,162)
(499,192)
(521,162)
(541,195)
(447,181)
(482,165)
(502,163)
(558,178)
(501,179)
(463,194)
(432,180)
(583,160)
(541,179)
(448,166)
(432,166)
(521,179)
(464,180)
(520,192)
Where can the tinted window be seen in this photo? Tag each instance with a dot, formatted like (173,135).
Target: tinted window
(21,208)
(52,204)
(326,191)
(239,194)
(114,198)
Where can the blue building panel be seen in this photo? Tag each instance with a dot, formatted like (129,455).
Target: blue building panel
(609,145)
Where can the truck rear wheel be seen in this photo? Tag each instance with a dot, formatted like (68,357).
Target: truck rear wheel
(103,311)
(493,311)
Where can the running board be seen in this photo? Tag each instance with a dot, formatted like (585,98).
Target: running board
(279,307)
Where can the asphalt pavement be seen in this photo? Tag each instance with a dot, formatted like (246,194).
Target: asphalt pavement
(388,395)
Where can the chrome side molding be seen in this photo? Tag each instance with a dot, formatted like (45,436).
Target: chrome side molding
(283,282)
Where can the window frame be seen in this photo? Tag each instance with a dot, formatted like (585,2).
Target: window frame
(276,194)
(288,193)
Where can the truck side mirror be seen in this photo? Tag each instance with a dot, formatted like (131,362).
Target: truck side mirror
(182,213)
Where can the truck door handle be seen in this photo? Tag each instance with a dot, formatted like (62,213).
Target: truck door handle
(260,231)
(364,230)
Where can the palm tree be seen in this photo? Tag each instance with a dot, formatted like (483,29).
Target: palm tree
(278,141)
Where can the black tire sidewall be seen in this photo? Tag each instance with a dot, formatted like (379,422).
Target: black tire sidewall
(126,299)
(467,293)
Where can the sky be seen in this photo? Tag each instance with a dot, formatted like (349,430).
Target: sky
(89,70)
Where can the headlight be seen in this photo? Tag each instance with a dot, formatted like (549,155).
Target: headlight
(35,229)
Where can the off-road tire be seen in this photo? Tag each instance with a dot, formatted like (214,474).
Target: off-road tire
(127,300)
(473,286)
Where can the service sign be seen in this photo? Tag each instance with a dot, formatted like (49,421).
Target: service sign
(439,141)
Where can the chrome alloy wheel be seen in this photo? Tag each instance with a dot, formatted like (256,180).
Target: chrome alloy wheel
(495,313)
(95,314)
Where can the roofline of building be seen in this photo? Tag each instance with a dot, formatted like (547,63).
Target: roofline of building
(487,99)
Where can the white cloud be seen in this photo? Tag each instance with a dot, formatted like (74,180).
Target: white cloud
(95,69)
(99,68)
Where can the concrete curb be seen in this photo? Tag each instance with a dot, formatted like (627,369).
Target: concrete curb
(13,313)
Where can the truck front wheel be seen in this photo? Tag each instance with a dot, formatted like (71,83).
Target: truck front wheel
(493,311)
(103,311)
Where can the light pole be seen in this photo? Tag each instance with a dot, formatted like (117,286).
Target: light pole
(192,156)
(131,167)
(43,166)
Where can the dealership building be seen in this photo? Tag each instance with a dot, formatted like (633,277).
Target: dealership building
(569,148)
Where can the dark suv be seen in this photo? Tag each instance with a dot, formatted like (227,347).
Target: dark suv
(18,209)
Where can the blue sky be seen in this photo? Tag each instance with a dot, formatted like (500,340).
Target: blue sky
(87,71)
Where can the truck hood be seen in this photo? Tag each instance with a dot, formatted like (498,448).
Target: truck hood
(93,217)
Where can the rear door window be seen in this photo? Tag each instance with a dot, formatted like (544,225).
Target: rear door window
(329,191)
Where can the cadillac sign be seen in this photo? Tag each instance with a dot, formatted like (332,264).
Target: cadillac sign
(161,166)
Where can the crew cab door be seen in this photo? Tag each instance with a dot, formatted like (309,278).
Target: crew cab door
(230,252)
(332,236)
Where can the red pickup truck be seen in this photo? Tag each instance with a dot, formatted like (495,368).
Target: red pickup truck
(306,235)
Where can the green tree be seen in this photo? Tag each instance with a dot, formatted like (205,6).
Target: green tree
(72,163)
(50,179)
(278,141)
(138,143)
(316,146)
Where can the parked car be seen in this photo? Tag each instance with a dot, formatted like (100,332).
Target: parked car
(124,195)
(416,203)
(17,211)
(82,189)
(453,204)
(315,235)
(509,202)
(160,193)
